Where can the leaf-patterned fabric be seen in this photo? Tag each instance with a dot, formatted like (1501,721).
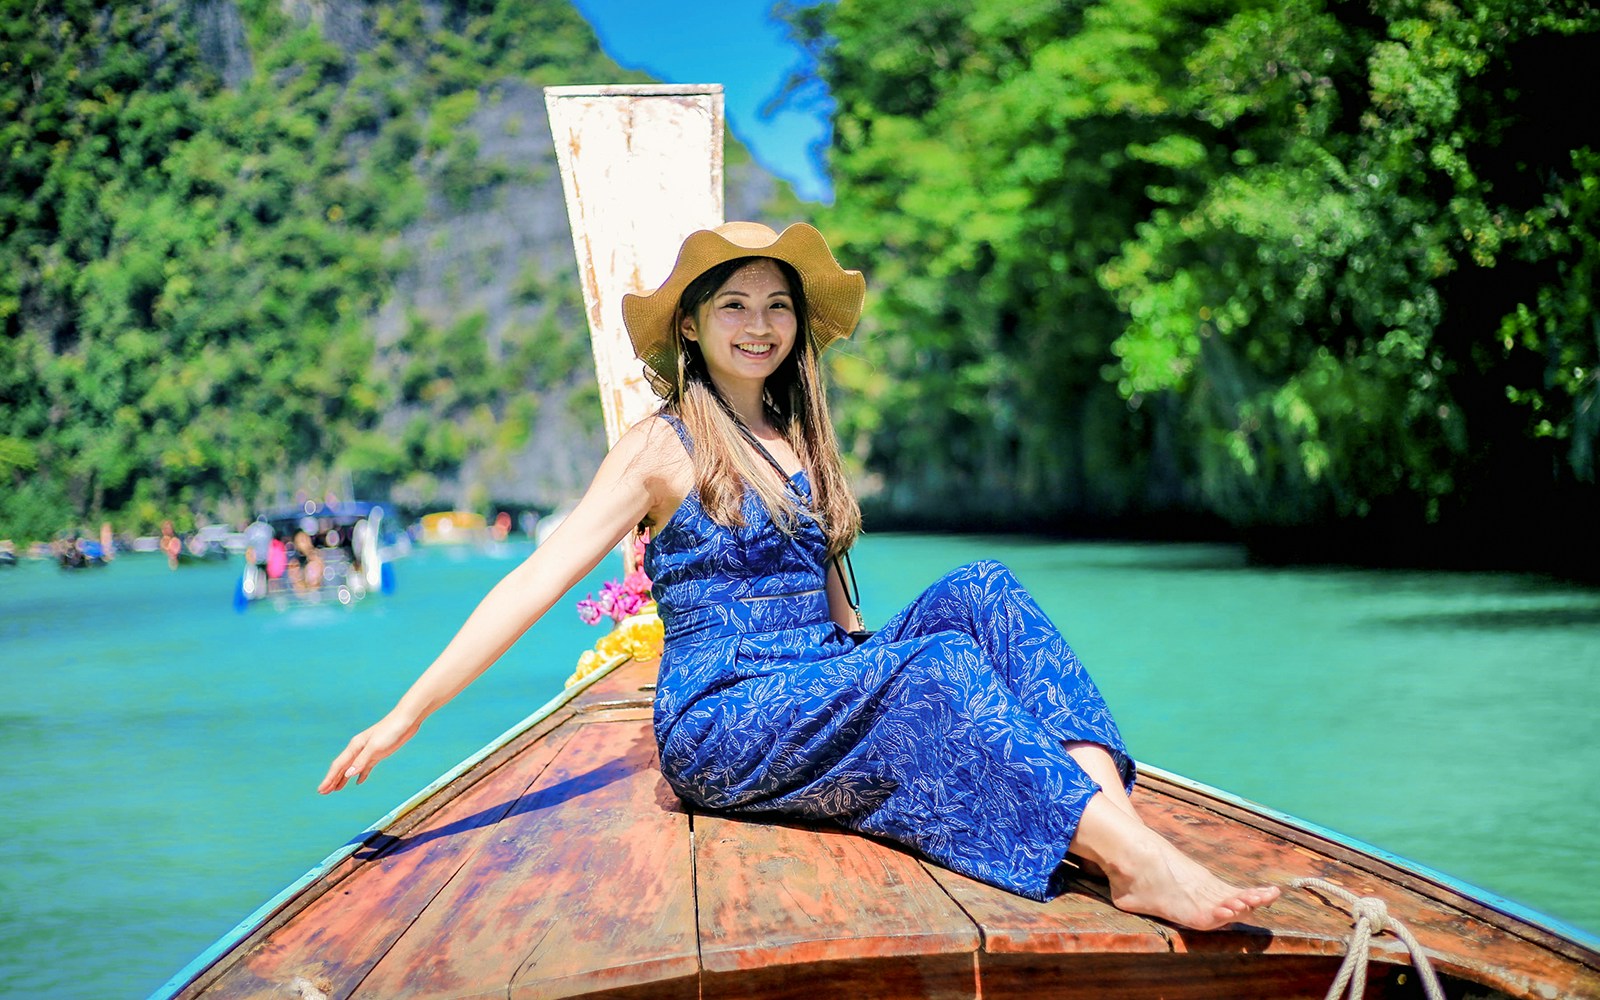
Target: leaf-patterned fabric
(943,732)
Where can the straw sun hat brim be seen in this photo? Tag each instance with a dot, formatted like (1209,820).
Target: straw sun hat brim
(833,295)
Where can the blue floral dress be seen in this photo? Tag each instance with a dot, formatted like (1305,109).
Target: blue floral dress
(943,732)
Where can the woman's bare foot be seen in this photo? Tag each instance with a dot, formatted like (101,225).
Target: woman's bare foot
(1150,876)
(1158,880)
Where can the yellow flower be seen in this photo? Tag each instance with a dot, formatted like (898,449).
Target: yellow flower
(637,637)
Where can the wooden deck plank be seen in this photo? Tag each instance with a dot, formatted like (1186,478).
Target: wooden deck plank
(1078,921)
(1039,976)
(339,937)
(632,683)
(893,977)
(775,893)
(585,885)
(795,910)
(618,715)
(1458,941)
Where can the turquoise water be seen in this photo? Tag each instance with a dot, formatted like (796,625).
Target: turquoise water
(159,753)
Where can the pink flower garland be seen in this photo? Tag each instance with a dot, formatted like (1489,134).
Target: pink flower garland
(619,600)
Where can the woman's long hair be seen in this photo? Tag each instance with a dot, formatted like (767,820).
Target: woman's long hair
(797,407)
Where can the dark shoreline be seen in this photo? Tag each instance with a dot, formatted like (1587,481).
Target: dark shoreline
(1340,544)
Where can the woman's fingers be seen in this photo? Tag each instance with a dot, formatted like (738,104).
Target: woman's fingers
(362,766)
(342,768)
(365,750)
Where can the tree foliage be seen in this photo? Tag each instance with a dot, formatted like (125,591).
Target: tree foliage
(188,271)
(1289,263)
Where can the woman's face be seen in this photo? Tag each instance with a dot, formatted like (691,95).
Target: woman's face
(748,326)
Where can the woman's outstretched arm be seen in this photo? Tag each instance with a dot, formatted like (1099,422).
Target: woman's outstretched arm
(636,480)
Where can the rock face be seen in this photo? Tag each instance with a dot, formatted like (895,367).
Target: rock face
(222,40)
(467,259)
(344,23)
(477,256)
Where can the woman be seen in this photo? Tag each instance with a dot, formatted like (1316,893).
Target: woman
(964,728)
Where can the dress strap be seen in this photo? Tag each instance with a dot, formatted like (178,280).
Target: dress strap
(676,423)
(755,442)
(841,562)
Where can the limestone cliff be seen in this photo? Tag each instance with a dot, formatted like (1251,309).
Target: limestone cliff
(490,250)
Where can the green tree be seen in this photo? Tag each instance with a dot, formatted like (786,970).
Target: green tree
(1337,303)
(1337,262)
(188,273)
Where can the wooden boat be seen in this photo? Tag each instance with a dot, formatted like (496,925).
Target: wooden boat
(347,540)
(557,862)
(454,527)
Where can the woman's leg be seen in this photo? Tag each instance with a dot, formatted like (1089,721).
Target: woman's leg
(1147,872)
(984,602)
(1098,763)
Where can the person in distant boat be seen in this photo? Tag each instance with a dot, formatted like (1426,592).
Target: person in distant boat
(277,563)
(305,563)
(171,544)
(257,542)
(965,728)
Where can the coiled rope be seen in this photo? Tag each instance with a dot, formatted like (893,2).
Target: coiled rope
(1371,917)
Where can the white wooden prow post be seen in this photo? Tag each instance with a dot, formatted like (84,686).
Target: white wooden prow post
(641,167)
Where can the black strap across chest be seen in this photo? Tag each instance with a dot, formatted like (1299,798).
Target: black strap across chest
(755,442)
(841,564)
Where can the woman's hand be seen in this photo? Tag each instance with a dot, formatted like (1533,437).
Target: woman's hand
(647,474)
(368,747)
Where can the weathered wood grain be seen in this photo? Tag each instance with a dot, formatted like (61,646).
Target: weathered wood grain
(1460,943)
(618,715)
(340,936)
(633,684)
(779,894)
(1077,921)
(1083,976)
(585,885)
(892,977)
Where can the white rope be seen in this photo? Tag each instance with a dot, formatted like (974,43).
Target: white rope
(1371,917)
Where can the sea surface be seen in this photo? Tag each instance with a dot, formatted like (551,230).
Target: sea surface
(159,752)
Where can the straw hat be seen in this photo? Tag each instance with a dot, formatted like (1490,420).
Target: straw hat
(833,295)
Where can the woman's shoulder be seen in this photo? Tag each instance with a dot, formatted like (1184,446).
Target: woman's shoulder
(655,448)
(655,455)
(660,434)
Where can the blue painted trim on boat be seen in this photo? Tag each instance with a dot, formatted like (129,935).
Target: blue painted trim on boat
(247,926)
(1510,908)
